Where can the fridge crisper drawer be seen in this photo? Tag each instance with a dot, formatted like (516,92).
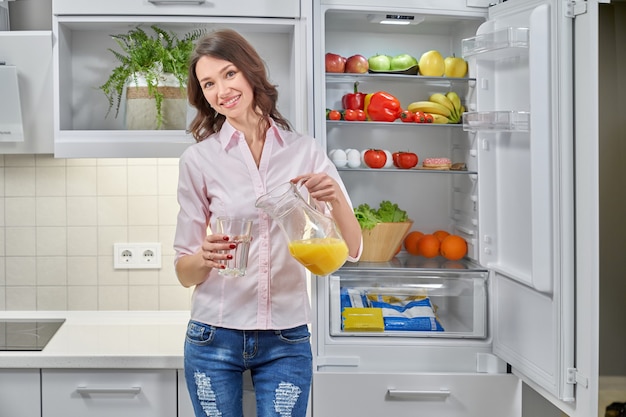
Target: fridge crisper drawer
(395,394)
(439,304)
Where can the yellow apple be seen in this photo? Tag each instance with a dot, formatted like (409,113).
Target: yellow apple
(431,64)
(455,67)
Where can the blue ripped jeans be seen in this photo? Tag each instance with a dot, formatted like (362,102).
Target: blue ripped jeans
(280,363)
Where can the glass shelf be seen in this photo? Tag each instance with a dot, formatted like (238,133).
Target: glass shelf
(412,170)
(332,78)
(501,121)
(337,123)
(501,44)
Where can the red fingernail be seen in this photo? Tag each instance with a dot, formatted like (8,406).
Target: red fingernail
(226,238)
(229,256)
(232,246)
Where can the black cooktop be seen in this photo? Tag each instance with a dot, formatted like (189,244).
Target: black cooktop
(27,334)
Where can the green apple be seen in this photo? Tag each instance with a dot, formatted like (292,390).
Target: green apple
(402,62)
(379,62)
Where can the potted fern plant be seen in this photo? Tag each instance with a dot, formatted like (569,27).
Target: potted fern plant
(152,71)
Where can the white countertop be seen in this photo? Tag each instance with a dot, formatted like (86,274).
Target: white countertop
(105,339)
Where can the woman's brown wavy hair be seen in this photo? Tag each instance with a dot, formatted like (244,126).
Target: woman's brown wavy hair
(229,45)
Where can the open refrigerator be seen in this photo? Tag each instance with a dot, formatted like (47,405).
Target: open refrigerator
(521,308)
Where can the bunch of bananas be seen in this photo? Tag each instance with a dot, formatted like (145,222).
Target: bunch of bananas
(445,108)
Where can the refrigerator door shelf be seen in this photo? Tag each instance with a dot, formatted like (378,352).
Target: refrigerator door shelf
(497,121)
(501,44)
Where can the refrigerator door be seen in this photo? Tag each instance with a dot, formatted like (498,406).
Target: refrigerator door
(521,120)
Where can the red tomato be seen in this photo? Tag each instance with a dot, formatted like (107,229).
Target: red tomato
(395,156)
(361,116)
(407,160)
(407,116)
(429,117)
(349,115)
(375,158)
(420,117)
(334,115)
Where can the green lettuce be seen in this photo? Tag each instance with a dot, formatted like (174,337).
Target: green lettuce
(387,212)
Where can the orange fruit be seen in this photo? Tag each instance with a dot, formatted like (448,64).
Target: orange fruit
(410,242)
(453,247)
(441,234)
(428,246)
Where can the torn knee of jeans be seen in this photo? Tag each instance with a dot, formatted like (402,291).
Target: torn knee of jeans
(206,395)
(286,396)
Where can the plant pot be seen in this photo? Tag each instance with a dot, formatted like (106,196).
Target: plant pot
(381,243)
(141,110)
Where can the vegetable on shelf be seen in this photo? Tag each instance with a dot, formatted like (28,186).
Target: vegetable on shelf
(387,212)
(375,158)
(382,107)
(354,101)
(333,114)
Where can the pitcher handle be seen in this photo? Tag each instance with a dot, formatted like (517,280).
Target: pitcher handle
(329,206)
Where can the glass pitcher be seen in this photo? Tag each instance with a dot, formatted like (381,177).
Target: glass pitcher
(314,239)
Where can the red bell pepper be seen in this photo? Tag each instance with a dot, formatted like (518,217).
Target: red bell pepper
(353,101)
(382,107)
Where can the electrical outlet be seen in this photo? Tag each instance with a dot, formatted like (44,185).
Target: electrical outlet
(137,255)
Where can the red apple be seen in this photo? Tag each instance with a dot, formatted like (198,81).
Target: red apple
(357,64)
(335,63)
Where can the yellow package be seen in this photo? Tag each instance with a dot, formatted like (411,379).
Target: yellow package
(363,319)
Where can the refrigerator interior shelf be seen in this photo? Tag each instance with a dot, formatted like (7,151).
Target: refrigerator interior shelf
(417,169)
(501,121)
(333,123)
(340,78)
(498,45)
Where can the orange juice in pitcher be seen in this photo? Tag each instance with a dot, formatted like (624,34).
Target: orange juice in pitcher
(313,237)
(321,256)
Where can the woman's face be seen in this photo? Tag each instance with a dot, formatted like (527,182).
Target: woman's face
(224,87)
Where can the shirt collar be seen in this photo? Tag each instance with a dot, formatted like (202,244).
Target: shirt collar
(228,135)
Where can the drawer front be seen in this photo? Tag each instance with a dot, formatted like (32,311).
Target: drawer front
(20,391)
(441,395)
(254,8)
(105,393)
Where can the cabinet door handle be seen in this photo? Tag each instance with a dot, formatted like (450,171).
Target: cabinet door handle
(157,2)
(82,390)
(418,394)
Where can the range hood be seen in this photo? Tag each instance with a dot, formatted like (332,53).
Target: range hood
(11,127)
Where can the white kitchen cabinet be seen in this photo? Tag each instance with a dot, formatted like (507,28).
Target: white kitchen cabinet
(20,393)
(105,393)
(31,54)
(82,62)
(404,394)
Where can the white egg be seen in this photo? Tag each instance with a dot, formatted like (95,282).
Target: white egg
(389,162)
(354,158)
(339,158)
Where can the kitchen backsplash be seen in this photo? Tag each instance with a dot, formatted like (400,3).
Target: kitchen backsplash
(59,219)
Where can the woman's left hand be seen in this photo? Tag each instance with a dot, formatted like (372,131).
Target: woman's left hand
(321,186)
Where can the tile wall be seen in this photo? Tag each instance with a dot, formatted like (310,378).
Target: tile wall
(59,219)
